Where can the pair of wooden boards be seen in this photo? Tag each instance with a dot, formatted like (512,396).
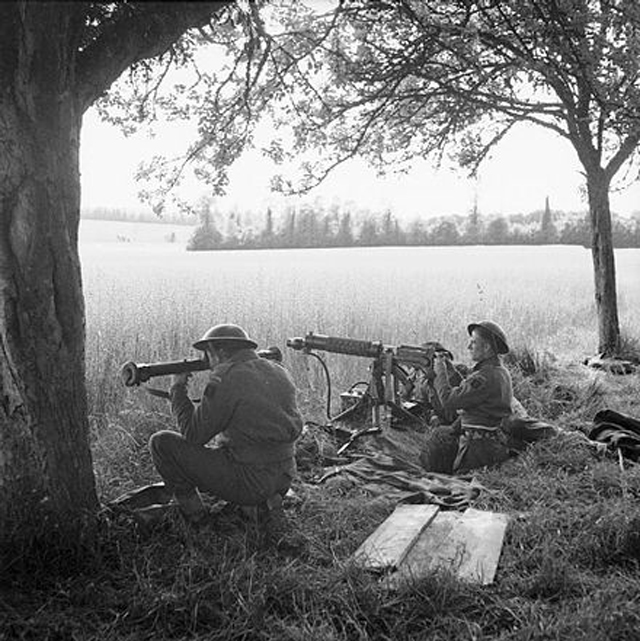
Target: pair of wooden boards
(416,540)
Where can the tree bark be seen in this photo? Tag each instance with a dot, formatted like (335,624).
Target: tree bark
(603,262)
(55,61)
(46,477)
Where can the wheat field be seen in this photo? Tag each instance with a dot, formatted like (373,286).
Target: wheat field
(149,301)
(569,564)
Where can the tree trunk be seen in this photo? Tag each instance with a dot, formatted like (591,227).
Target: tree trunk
(603,262)
(46,477)
(56,59)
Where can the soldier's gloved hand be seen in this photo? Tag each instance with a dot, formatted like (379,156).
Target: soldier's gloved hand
(439,363)
(180,379)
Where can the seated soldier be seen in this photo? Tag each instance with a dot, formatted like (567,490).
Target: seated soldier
(249,403)
(481,401)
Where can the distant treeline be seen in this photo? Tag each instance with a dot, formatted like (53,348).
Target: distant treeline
(308,227)
(334,226)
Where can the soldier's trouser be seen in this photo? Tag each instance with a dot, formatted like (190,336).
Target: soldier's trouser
(474,453)
(440,450)
(186,467)
(448,450)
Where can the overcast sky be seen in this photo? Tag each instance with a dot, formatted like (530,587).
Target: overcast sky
(529,165)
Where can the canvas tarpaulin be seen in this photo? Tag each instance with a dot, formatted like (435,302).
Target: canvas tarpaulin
(390,466)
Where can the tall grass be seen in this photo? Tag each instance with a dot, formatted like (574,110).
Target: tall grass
(569,566)
(147,303)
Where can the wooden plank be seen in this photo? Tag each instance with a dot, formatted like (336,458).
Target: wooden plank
(467,544)
(388,545)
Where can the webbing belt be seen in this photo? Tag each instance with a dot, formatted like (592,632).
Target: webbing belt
(480,431)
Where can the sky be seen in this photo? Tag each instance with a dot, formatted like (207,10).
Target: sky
(529,165)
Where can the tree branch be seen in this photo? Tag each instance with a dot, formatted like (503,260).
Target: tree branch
(140,31)
(625,150)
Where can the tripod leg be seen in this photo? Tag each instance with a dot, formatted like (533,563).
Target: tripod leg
(388,387)
(375,413)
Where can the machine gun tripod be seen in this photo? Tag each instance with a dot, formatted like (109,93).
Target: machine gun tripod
(389,383)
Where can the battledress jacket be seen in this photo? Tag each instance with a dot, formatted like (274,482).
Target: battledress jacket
(483,398)
(250,404)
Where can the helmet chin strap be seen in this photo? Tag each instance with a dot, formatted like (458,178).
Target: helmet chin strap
(490,341)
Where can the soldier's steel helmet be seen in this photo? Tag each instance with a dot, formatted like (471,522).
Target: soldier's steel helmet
(225,333)
(495,331)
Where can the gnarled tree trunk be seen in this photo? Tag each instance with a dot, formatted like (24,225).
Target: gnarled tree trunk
(46,477)
(56,59)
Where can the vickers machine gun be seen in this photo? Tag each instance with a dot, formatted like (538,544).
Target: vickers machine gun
(389,390)
(135,373)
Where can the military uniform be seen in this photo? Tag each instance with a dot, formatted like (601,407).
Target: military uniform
(249,405)
(482,401)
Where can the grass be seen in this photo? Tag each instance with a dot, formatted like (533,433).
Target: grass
(569,570)
(570,562)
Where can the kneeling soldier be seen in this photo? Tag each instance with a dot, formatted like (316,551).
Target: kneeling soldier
(249,403)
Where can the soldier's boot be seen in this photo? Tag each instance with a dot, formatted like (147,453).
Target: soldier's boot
(263,512)
(142,497)
(191,507)
(272,519)
(249,514)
